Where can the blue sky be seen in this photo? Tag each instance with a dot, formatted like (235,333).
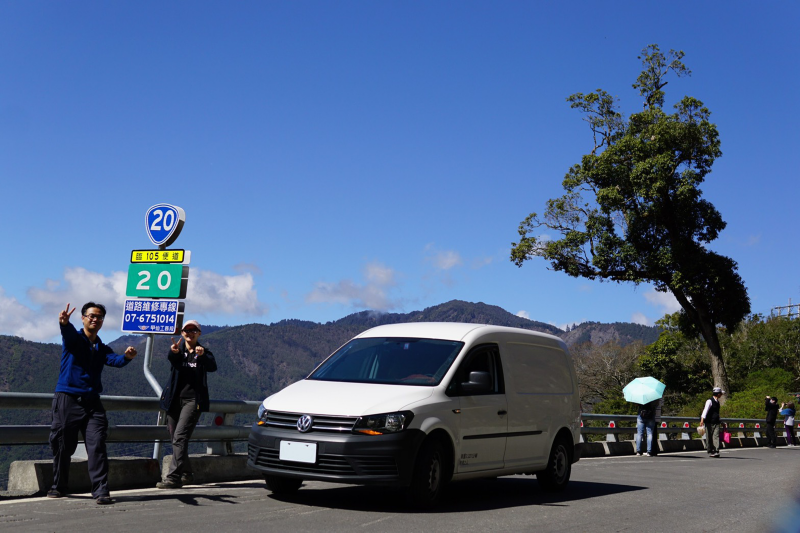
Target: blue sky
(333,157)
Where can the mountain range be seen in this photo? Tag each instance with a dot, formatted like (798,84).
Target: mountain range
(255,360)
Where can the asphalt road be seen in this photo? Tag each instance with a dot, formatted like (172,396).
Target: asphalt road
(746,490)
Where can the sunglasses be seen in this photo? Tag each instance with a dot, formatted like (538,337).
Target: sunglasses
(191,330)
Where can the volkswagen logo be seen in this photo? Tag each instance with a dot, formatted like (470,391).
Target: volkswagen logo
(304,423)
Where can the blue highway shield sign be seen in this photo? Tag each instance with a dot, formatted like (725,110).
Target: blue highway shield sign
(164,223)
(152,316)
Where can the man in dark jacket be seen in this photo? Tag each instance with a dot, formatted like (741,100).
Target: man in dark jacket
(710,419)
(184,398)
(771,407)
(76,402)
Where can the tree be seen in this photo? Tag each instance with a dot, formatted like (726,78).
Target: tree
(633,209)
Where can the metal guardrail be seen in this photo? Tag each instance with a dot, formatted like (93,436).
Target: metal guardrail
(223,430)
(686,427)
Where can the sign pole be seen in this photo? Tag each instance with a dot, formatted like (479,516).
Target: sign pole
(154,276)
(148,360)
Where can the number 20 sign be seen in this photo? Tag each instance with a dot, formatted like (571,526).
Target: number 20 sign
(157,280)
(164,223)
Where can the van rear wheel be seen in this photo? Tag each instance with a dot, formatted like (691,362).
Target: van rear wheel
(555,477)
(282,485)
(428,480)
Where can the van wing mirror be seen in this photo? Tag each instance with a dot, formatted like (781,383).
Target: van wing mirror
(478,382)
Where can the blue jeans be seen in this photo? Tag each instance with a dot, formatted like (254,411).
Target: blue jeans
(641,424)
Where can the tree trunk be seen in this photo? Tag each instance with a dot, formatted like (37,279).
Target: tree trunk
(709,331)
(718,371)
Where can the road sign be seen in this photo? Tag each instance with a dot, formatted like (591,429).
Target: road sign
(148,280)
(152,316)
(164,223)
(160,256)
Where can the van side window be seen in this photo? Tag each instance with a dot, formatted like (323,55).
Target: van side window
(485,358)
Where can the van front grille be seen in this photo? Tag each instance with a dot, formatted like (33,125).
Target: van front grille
(330,424)
(337,465)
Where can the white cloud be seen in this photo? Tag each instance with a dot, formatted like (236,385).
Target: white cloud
(524,314)
(370,295)
(639,318)
(753,240)
(481,262)
(665,301)
(248,267)
(208,292)
(443,259)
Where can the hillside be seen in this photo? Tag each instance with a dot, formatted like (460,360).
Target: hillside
(255,360)
(622,333)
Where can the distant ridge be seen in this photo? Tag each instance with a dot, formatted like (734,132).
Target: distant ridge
(452,311)
(255,360)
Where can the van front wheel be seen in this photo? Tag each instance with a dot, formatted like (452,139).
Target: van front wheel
(282,485)
(555,477)
(428,480)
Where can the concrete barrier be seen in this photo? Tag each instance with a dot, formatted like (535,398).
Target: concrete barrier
(36,477)
(216,468)
(123,473)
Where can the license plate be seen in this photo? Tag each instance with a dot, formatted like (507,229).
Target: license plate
(299,452)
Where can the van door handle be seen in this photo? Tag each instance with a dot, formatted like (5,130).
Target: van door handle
(502,412)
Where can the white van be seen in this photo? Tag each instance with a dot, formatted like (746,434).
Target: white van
(420,404)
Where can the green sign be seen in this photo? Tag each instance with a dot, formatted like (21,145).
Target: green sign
(147,280)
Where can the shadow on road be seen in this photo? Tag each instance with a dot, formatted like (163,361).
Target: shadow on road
(479,495)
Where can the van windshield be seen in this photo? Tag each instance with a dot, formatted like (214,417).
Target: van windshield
(394,361)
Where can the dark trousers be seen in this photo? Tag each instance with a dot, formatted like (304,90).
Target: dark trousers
(182,417)
(712,438)
(72,414)
(772,440)
(790,435)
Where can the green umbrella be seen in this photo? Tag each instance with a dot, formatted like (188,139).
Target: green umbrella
(643,390)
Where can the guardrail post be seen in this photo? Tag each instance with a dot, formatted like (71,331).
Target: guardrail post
(662,435)
(741,433)
(685,436)
(581,436)
(757,434)
(611,437)
(222,447)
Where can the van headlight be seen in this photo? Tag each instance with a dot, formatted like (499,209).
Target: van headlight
(384,423)
(262,415)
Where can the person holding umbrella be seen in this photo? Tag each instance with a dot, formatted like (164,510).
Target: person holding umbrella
(646,392)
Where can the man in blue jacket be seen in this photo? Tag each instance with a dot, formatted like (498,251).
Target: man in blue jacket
(76,403)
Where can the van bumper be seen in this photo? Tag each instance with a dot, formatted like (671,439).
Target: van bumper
(341,458)
(576,454)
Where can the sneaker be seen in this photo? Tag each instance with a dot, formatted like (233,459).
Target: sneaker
(53,493)
(638,453)
(715,454)
(169,484)
(187,479)
(648,454)
(104,500)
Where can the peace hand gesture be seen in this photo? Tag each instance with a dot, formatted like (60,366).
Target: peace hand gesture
(63,316)
(176,345)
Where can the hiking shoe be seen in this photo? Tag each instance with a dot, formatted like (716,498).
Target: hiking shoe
(187,479)
(715,454)
(169,484)
(53,493)
(104,500)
